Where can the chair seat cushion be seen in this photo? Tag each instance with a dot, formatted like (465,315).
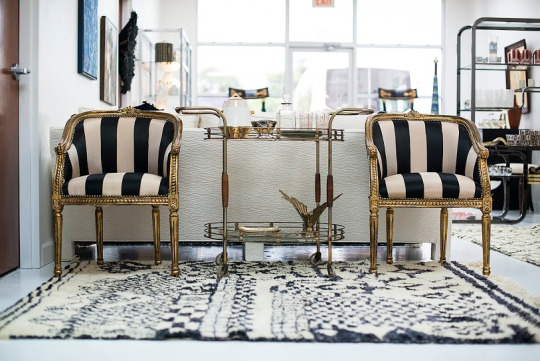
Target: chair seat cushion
(429,185)
(117,184)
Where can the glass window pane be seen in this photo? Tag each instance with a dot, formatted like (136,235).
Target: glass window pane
(243,67)
(332,24)
(409,22)
(321,80)
(397,69)
(256,21)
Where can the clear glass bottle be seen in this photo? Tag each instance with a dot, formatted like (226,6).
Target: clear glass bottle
(286,116)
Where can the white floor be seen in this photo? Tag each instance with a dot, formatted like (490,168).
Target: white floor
(17,284)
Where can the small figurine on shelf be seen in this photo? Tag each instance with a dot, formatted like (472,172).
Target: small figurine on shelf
(308,218)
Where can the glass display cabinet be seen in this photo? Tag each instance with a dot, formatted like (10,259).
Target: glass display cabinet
(165,68)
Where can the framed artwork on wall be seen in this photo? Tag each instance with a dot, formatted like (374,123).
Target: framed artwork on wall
(517,75)
(88,38)
(108,62)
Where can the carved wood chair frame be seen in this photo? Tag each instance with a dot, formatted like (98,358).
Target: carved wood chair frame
(170,200)
(484,203)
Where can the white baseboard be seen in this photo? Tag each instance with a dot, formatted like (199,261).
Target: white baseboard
(47,253)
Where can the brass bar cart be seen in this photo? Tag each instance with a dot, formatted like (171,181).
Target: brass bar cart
(276,232)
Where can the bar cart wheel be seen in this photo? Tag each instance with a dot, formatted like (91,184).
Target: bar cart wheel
(330,269)
(315,259)
(219,259)
(222,271)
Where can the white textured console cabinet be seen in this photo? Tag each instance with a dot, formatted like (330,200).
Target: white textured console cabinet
(257,170)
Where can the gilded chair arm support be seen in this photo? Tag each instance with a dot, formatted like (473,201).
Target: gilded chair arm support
(58,177)
(175,149)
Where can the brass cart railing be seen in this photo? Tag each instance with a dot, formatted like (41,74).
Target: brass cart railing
(285,232)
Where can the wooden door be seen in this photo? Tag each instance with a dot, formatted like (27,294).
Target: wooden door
(9,137)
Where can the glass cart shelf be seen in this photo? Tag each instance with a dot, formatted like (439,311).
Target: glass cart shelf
(273,232)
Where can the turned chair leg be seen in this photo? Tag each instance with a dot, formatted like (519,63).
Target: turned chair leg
(99,235)
(57,216)
(373,229)
(444,234)
(486,240)
(173,220)
(156,231)
(389,234)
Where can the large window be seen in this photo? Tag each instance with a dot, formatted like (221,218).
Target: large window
(325,57)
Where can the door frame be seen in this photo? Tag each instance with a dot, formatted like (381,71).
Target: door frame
(30,204)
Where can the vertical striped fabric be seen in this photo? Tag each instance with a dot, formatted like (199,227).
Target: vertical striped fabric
(119,145)
(118,156)
(406,146)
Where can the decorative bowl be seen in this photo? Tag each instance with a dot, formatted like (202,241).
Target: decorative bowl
(263,127)
(237,132)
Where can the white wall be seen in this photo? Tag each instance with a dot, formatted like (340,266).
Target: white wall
(55,92)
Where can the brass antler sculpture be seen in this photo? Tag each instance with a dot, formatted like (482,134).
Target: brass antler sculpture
(308,218)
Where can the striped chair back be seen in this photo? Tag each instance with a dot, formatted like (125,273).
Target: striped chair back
(119,144)
(424,145)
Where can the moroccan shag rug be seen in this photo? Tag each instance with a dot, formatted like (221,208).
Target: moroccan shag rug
(519,242)
(276,301)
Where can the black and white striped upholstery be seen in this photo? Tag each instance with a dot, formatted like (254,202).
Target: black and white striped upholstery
(119,156)
(425,159)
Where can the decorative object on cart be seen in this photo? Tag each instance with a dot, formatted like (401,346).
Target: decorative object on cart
(237,112)
(407,96)
(286,117)
(127,41)
(261,93)
(435,95)
(519,242)
(87,54)
(264,127)
(95,167)
(517,75)
(277,301)
(108,62)
(309,218)
(410,168)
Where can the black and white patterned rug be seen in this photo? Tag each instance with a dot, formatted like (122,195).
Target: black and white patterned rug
(276,301)
(516,241)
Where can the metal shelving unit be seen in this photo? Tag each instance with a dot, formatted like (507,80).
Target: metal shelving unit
(490,24)
(165,82)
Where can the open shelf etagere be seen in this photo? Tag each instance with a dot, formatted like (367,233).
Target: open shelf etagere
(491,23)
(277,232)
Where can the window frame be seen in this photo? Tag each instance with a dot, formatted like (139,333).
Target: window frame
(291,46)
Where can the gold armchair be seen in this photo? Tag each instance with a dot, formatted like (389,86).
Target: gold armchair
(119,157)
(428,161)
